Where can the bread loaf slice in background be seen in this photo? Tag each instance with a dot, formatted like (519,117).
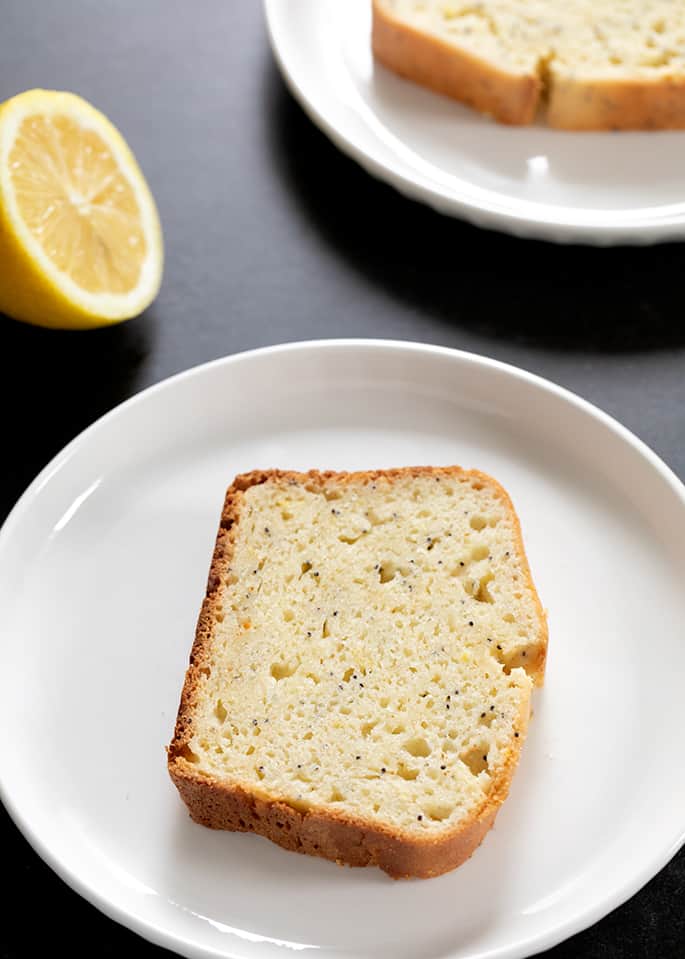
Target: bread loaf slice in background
(596,64)
(359,686)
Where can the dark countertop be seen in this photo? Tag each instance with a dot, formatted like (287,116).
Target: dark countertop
(272,235)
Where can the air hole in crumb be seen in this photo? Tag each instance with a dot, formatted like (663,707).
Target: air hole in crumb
(288,615)
(368,728)
(476,759)
(282,670)
(220,711)
(325,629)
(387,572)
(376,518)
(286,515)
(483,594)
(187,753)
(350,538)
(481,551)
(260,772)
(348,674)
(471,586)
(384,702)
(438,811)
(417,747)
(523,656)
(336,795)
(406,772)
(308,735)
(508,618)
(219,617)
(206,671)
(249,751)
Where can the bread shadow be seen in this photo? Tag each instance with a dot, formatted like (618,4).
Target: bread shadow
(245,885)
(56,383)
(540,295)
(604,163)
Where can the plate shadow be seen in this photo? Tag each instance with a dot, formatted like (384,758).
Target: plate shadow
(541,295)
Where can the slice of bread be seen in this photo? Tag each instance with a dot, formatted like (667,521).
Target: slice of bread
(359,686)
(598,64)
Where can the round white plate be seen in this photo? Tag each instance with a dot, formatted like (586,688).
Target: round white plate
(103,565)
(599,188)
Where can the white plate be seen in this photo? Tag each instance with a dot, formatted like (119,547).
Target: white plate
(102,568)
(600,188)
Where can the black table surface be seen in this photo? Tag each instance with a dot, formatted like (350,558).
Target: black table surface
(272,236)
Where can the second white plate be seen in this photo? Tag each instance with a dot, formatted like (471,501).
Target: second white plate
(102,570)
(599,188)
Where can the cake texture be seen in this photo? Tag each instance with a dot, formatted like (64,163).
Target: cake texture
(359,686)
(594,64)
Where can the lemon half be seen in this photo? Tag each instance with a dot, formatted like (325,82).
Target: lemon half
(80,239)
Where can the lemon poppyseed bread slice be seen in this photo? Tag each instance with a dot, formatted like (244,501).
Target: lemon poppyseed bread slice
(359,686)
(597,64)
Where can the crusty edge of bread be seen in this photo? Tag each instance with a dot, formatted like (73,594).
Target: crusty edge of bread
(633,103)
(321,831)
(509,97)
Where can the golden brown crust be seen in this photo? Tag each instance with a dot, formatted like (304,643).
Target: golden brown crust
(326,833)
(316,830)
(509,97)
(628,104)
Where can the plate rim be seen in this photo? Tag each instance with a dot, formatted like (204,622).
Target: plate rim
(639,231)
(155,931)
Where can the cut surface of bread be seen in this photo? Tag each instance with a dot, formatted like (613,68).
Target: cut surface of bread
(359,686)
(598,64)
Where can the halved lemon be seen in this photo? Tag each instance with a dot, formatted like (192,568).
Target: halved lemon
(80,240)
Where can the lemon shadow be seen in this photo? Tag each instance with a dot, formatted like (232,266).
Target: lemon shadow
(55,383)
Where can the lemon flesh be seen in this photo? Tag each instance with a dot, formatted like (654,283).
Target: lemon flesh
(80,240)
